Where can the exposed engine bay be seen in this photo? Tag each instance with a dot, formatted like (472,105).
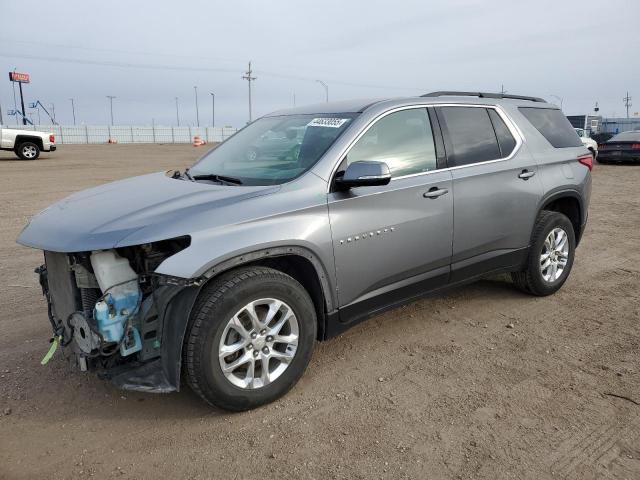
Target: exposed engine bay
(105,312)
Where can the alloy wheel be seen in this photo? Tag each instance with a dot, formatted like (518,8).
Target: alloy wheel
(258,343)
(29,151)
(555,255)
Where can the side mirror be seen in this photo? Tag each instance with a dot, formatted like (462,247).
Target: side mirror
(364,174)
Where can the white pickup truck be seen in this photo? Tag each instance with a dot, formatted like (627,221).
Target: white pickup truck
(588,142)
(26,144)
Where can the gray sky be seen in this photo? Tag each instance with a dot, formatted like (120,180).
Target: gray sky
(148,52)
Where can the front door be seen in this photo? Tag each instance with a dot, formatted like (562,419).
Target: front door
(392,242)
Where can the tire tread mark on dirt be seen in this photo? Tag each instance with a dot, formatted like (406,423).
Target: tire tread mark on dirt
(595,444)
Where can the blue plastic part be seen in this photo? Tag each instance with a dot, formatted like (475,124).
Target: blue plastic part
(112,312)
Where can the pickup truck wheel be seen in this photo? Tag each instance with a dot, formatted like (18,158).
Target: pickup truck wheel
(550,257)
(28,151)
(250,338)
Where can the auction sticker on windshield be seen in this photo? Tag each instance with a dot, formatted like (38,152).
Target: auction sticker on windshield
(327,122)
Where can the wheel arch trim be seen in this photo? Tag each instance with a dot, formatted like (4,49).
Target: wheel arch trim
(275,252)
(565,193)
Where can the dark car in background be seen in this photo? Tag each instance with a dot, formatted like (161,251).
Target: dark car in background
(623,147)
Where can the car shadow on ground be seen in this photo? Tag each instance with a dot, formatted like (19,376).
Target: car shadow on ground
(101,400)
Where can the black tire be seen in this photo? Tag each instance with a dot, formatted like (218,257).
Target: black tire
(217,303)
(531,279)
(28,151)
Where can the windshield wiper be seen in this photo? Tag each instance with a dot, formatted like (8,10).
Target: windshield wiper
(217,178)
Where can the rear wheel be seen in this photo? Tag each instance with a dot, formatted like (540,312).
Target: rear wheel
(550,255)
(28,151)
(251,337)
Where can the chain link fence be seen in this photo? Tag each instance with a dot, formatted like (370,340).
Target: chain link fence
(95,134)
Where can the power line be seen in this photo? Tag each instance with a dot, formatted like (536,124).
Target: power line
(156,66)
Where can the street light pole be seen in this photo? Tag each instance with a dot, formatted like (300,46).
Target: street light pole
(213,109)
(197,111)
(177,112)
(73,110)
(326,89)
(557,98)
(111,97)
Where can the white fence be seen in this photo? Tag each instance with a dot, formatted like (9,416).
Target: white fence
(94,134)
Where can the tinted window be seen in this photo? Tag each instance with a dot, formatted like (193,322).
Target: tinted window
(403,140)
(471,135)
(553,125)
(626,137)
(505,140)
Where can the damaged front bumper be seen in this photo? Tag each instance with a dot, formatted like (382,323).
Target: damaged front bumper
(161,321)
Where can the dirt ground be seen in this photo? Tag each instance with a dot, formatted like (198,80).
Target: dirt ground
(442,388)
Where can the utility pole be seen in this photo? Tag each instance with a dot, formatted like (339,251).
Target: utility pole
(53,114)
(627,103)
(73,110)
(177,112)
(213,109)
(111,97)
(326,90)
(502,90)
(195,89)
(1,114)
(247,76)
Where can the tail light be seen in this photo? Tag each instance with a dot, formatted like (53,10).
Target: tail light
(635,146)
(602,146)
(587,161)
(52,139)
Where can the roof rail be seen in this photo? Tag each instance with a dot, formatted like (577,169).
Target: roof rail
(482,95)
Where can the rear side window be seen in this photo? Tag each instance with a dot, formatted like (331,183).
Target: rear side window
(553,125)
(470,135)
(505,140)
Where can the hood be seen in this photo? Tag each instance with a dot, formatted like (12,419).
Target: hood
(103,217)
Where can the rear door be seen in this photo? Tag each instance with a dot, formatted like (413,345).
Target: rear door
(496,190)
(392,242)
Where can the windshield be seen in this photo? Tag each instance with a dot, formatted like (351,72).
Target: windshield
(273,150)
(626,137)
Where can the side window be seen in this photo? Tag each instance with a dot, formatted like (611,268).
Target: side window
(506,142)
(471,135)
(553,125)
(403,140)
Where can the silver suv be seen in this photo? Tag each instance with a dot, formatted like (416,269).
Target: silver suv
(228,273)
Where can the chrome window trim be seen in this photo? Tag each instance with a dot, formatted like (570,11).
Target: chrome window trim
(511,126)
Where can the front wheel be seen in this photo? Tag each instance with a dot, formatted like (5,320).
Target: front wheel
(550,257)
(250,338)
(28,151)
